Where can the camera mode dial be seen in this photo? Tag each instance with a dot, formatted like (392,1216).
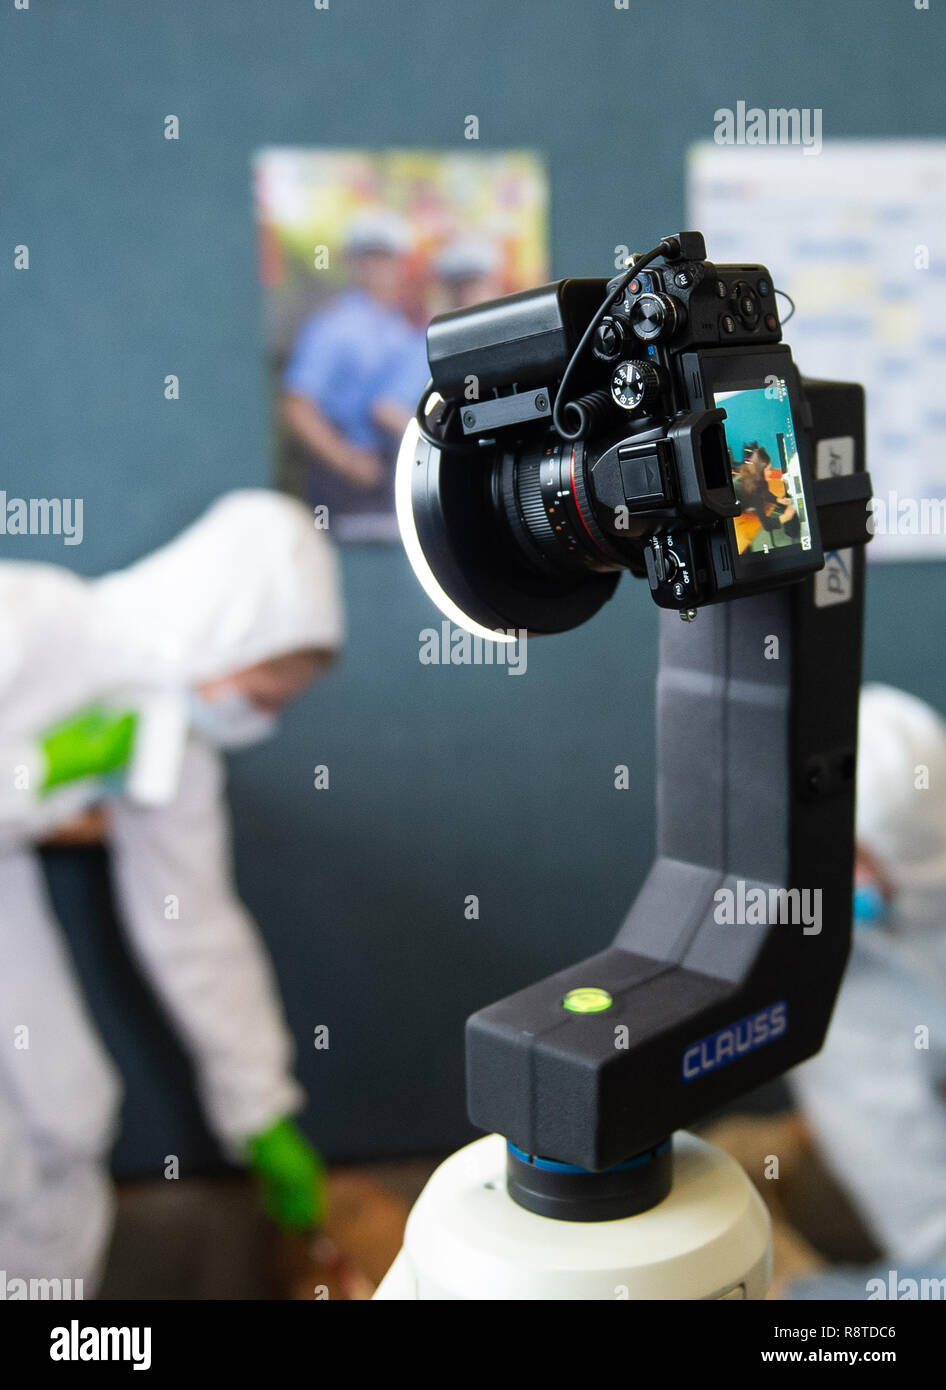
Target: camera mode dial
(635,385)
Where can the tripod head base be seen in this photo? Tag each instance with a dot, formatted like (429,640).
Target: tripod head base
(467,1239)
(566,1193)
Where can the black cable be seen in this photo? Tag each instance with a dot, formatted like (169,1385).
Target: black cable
(668,247)
(791,302)
(445,445)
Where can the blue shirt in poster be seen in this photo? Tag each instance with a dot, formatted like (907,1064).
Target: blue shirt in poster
(352,354)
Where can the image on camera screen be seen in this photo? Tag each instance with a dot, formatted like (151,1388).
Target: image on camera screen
(763,456)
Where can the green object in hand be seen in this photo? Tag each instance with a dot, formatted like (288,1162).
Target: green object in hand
(90,744)
(291,1175)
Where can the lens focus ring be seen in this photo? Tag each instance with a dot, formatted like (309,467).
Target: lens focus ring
(546,502)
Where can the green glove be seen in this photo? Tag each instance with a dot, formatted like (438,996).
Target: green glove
(89,744)
(291,1175)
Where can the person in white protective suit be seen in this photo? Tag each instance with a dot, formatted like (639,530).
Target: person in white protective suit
(875,1096)
(113,694)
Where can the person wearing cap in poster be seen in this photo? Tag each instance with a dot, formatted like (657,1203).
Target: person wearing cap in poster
(354,377)
(468,270)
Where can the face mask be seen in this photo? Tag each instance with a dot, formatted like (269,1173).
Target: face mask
(870,906)
(232,721)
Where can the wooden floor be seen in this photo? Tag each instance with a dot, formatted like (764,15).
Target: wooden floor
(207,1238)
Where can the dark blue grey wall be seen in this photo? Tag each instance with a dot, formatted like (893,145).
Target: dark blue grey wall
(445,782)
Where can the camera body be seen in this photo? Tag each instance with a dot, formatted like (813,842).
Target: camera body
(692,303)
(656,423)
(682,448)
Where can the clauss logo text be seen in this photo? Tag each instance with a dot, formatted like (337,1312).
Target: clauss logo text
(735,1040)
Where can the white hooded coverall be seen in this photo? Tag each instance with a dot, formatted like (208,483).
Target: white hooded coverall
(876,1093)
(250,580)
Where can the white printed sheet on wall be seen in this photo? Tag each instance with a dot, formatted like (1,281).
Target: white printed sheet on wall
(856,234)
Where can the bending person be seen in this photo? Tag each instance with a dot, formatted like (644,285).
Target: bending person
(115,696)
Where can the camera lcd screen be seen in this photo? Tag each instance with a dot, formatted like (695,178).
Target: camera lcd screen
(766,470)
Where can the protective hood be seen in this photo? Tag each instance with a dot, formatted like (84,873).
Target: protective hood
(249,580)
(873,1093)
(901,805)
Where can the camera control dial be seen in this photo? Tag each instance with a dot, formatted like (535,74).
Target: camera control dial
(609,339)
(635,385)
(656,316)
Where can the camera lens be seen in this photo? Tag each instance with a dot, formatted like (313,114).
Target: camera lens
(544,496)
(507,541)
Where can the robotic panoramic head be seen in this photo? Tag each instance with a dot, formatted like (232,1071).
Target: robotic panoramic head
(458,526)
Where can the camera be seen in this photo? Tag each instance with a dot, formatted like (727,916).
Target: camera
(654,422)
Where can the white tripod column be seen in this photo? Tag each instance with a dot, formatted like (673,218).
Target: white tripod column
(467,1239)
